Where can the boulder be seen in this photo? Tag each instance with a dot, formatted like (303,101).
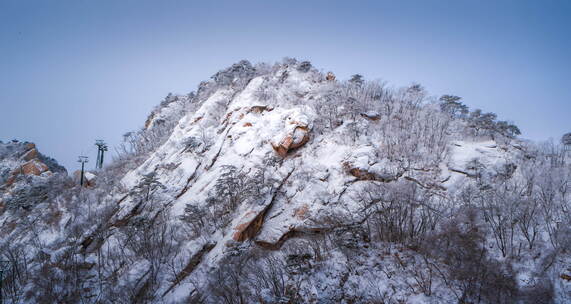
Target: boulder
(330,76)
(360,174)
(260,109)
(294,135)
(293,140)
(88,178)
(372,175)
(374,116)
(365,164)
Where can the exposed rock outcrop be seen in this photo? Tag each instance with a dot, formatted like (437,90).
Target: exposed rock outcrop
(249,225)
(330,76)
(374,116)
(26,160)
(293,140)
(373,176)
(252,221)
(34,167)
(366,165)
(88,178)
(31,154)
(294,135)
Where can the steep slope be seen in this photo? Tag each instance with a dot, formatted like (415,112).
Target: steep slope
(278,184)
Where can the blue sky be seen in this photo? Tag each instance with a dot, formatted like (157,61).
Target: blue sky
(75,71)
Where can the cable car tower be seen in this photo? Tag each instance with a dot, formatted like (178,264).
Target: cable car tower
(101,149)
(82,160)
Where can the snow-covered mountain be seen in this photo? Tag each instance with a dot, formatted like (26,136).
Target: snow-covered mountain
(280,184)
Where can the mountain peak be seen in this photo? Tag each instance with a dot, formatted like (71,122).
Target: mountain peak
(281,183)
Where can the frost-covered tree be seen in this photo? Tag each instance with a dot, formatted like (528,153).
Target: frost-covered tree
(507,129)
(451,104)
(357,79)
(238,74)
(377,201)
(169,99)
(147,187)
(304,66)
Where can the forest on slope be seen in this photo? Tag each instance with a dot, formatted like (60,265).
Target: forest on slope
(278,183)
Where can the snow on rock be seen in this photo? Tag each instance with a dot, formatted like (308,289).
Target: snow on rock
(34,167)
(294,134)
(90,176)
(18,158)
(249,224)
(296,172)
(371,115)
(473,159)
(365,164)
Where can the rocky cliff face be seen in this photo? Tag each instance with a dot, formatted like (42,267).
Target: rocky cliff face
(23,158)
(22,167)
(278,184)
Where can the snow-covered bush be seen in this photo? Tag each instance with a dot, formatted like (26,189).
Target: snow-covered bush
(239,74)
(304,66)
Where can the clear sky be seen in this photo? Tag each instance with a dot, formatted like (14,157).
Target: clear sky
(79,70)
